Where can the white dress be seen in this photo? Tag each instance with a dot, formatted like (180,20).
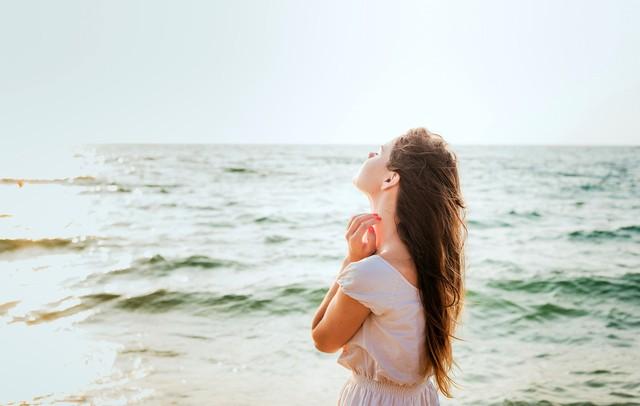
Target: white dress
(387,355)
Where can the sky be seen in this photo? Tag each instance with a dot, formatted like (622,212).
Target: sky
(356,72)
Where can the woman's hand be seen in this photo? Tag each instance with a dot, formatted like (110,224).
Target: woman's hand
(359,225)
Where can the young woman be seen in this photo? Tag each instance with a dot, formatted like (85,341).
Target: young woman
(395,303)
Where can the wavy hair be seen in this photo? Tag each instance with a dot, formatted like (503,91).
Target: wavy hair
(430,219)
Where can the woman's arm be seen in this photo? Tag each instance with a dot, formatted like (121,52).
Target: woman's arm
(327,298)
(358,249)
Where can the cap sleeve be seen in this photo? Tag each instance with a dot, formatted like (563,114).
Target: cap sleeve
(364,284)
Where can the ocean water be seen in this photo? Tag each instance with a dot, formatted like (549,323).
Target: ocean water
(189,274)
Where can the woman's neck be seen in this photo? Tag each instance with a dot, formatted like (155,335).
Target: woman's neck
(387,239)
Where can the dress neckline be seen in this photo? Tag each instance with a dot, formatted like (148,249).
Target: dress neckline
(396,271)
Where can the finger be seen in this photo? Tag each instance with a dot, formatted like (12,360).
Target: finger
(362,228)
(371,239)
(357,222)
(353,218)
(359,216)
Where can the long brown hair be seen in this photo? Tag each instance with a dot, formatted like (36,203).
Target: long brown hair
(430,218)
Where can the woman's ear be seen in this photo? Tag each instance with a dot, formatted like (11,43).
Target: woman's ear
(390,180)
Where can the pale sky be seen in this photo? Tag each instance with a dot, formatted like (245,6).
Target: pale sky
(358,72)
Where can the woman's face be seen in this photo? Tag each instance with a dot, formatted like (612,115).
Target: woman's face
(373,172)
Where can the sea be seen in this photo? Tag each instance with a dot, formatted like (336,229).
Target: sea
(184,274)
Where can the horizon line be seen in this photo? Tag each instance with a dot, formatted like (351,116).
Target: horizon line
(349,144)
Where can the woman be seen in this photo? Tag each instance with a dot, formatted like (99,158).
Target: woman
(395,303)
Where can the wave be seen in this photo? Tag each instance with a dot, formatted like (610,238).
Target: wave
(499,310)
(151,351)
(114,187)
(592,186)
(110,188)
(277,301)
(488,224)
(99,186)
(81,180)
(157,266)
(275,239)
(77,243)
(626,232)
(550,311)
(625,288)
(42,316)
(271,219)
(293,298)
(622,320)
(239,170)
(492,305)
(526,214)
(4,307)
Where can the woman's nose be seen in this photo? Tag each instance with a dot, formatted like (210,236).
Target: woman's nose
(371,154)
